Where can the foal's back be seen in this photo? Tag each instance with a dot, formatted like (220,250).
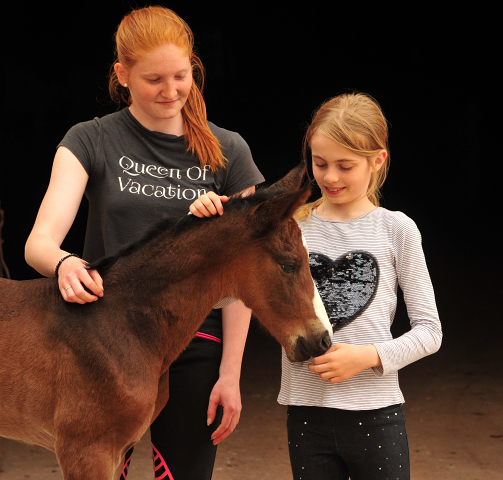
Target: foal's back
(58,358)
(25,359)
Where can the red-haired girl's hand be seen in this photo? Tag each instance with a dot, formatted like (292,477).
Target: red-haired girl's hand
(208,205)
(73,275)
(228,395)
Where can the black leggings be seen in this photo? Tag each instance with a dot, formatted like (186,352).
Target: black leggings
(333,444)
(181,440)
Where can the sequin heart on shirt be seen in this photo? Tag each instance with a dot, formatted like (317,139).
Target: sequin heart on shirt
(347,285)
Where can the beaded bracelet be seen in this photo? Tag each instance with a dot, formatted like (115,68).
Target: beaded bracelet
(62,260)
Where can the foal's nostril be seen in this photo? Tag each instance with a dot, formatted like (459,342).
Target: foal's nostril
(325,342)
(303,352)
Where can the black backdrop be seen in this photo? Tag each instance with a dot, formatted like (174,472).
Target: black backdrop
(269,66)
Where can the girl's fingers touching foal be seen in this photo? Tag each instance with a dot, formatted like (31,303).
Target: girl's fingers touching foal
(208,205)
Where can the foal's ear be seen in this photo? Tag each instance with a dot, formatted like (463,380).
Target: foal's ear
(293,180)
(271,213)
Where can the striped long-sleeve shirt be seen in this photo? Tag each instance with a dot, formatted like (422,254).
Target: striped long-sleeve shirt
(357,266)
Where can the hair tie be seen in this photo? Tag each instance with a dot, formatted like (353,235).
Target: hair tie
(62,260)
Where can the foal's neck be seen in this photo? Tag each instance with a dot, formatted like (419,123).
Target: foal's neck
(169,285)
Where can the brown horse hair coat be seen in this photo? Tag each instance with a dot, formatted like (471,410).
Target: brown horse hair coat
(86,381)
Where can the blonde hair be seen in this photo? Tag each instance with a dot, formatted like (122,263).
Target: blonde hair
(355,121)
(140,32)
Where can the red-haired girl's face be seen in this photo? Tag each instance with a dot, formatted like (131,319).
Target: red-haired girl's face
(159,84)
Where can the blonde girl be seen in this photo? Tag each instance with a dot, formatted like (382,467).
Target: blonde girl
(344,407)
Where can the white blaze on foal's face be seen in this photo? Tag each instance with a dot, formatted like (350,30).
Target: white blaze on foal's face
(319,308)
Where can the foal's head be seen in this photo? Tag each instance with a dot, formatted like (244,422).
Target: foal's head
(254,252)
(274,279)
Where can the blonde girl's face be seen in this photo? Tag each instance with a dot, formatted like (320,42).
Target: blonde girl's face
(159,84)
(343,176)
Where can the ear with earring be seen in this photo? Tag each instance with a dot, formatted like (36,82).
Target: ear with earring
(125,85)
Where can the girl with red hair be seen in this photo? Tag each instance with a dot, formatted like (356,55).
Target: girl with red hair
(153,158)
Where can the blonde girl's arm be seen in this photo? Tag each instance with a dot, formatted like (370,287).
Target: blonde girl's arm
(425,335)
(55,217)
(343,361)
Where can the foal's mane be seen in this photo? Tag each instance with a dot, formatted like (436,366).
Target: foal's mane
(176,226)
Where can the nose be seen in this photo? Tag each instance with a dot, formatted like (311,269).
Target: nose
(169,90)
(331,176)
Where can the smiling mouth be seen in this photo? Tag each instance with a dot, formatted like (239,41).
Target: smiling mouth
(168,102)
(334,190)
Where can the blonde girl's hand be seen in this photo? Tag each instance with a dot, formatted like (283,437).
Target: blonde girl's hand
(72,275)
(343,361)
(208,205)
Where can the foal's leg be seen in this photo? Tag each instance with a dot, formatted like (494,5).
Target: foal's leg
(92,462)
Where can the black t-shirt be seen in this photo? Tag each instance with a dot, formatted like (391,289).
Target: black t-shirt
(137,176)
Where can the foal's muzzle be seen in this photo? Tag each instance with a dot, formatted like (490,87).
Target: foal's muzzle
(304,350)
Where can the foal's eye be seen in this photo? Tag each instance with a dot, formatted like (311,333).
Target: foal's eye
(288,267)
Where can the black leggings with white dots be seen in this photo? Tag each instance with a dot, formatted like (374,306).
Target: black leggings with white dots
(333,444)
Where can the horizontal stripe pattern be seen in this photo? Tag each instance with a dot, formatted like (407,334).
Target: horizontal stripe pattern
(394,240)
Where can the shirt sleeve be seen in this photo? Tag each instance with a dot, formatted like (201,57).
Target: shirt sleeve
(83,141)
(425,335)
(240,172)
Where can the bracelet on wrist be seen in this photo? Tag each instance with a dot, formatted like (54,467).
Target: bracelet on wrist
(62,260)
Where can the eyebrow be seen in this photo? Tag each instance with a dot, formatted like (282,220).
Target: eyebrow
(153,73)
(341,160)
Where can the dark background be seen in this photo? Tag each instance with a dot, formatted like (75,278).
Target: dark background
(269,65)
